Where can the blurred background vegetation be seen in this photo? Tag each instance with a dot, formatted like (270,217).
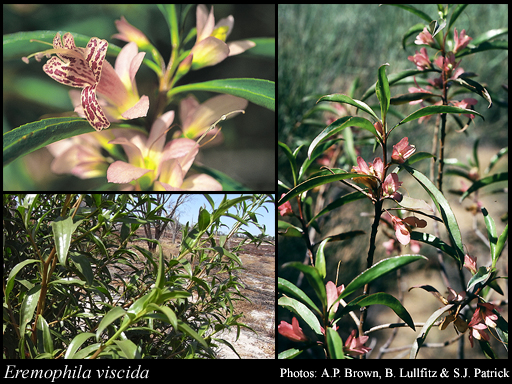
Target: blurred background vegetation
(247,154)
(337,48)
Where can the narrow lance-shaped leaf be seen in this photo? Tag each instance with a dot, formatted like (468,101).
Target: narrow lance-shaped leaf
(302,311)
(382,299)
(316,180)
(484,182)
(444,208)
(382,91)
(338,126)
(348,100)
(426,328)
(334,344)
(378,270)
(434,110)
(63,229)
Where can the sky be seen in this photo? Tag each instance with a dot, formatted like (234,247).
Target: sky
(190,210)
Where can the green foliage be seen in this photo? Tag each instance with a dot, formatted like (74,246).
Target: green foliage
(64,298)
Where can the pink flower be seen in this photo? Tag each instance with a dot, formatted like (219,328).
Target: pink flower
(470,263)
(390,186)
(378,128)
(465,103)
(152,164)
(376,169)
(421,60)
(425,38)
(292,331)
(129,33)
(402,151)
(210,47)
(196,118)
(461,41)
(482,318)
(447,63)
(355,345)
(87,68)
(286,208)
(401,229)
(332,295)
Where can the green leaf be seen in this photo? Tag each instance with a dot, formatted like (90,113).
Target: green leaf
(378,270)
(455,14)
(12,276)
(339,98)
(415,11)
(320,258)
(185,328)
(497,177)
(63,229)
(291,158)
(481,276)
(204,219)
(426,328)
(345,199)
(499,245)
(475,87)
(382,91)
(44,338)
(316,180)
(29,137)
(286,229)
(289,353)
(257,91)
(435,109)
(444,208)
(302,311)
(334,344)
(28,306)
(111,316)
(338,126)
(128,348)
(382,299)
(491,233)
(227,182)
(291,289)
(485,46)
(77,343)
(313,277)
(434,241)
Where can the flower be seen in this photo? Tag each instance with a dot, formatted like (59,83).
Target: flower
(152,164)
(85,156)
(376,169)
(470,263)
(390,185)
(292,331)
(354,345)
(402,151)
(197,118)
(483,317)
(210,47)
(87,68)
(465,103)
(461,41)
(447,64)
(425,38)
(401,227)
(117,89)
(129,33)
(333,293)
(421,60)
(286,208)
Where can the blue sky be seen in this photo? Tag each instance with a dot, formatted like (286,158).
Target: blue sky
(190,211)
